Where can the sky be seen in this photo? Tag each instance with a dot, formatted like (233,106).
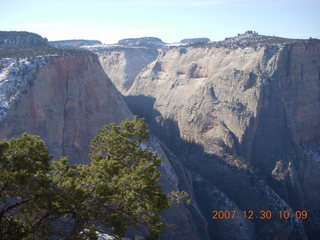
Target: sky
(170,20)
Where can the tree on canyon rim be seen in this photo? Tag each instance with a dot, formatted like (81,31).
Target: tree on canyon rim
(117,190)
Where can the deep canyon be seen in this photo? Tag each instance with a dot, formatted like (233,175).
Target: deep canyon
(236,122)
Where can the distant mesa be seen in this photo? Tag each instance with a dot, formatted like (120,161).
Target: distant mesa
(22,38)
(20,44)
(252,38)
(195,40)
(143,42)
(76,43)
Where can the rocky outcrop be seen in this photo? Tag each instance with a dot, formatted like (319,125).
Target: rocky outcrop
(252,96)
(144,41)
(195,40)
(22,38)
(77,43)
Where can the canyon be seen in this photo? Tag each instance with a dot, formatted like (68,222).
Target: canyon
(237,122)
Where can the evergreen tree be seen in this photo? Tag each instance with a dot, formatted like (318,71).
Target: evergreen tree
(25,188)
(117,190)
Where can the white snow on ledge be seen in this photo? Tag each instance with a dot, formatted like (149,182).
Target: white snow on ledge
(16,75)
(313,151)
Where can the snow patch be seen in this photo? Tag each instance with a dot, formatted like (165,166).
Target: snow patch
(16,75)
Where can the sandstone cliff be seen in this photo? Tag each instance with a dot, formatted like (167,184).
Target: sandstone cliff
(65,100)
(238,123)
(123,65)
(243,115)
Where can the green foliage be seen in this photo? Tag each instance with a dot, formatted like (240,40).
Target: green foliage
(24,187)
(127,175)
(119,189)
(177,197)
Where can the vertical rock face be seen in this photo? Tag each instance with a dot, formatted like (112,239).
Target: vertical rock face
(287,139)
(123,65)
(300,88)
(211,93)
(290,103)
(252,96)
(238,122)
(68,99)
(65,100)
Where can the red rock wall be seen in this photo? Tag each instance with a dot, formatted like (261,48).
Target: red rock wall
(71,98)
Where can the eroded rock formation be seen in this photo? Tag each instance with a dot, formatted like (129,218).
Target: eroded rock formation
(243,115)
(65,100)
(238,123)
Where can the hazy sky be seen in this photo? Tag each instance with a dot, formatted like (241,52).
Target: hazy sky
(170,20)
